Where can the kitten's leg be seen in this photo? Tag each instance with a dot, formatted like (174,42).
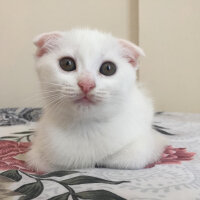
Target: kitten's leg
(35,162)
(140,153)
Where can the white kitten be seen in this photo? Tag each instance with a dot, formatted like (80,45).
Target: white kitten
(95,114)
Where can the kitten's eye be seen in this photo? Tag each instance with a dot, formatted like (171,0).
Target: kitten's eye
(67,64)
(108,68)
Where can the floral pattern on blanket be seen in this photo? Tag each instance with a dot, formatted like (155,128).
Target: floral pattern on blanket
(35,188)
(98,183)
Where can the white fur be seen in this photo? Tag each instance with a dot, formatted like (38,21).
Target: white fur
(116,132)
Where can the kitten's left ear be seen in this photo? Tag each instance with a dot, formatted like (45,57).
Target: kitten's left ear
(46,41)
(131,51)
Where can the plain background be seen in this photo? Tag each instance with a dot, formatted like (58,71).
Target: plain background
(170,34)
(167,30)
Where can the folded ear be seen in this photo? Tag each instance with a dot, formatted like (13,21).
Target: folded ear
(46,41)
(131,51)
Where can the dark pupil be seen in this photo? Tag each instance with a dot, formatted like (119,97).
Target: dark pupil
(108,67)
(67,64)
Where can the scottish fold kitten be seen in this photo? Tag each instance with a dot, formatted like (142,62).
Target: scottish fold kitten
(94,113)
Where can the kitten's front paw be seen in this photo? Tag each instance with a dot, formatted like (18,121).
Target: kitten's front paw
(138,154)
(35,162)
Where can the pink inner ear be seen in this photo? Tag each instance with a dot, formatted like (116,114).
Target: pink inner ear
(131,60)
(42,40)
(132,52)
(41,52)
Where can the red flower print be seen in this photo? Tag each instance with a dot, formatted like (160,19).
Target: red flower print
(8,151)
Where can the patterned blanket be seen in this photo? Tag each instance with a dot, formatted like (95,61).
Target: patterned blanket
(175,175)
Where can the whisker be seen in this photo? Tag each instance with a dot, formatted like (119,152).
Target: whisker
(52,83)
(57,84)
(51,102)
(101,93)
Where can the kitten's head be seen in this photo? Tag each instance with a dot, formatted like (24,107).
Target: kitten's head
(85,69)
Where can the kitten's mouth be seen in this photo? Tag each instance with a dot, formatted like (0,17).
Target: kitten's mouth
(85,101)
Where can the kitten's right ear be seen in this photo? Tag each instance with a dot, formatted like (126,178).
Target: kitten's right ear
(46,41)
(131,52)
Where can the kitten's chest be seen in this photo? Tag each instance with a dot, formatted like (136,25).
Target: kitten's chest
(84,144)
(85,141)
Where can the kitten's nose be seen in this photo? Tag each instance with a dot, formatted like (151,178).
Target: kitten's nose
(86,85)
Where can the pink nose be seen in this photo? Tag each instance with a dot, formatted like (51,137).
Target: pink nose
(86,85)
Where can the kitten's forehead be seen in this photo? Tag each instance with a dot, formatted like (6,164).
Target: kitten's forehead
(89,41)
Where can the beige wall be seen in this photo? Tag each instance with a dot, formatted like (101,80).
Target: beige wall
(21,20)
(169,31)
